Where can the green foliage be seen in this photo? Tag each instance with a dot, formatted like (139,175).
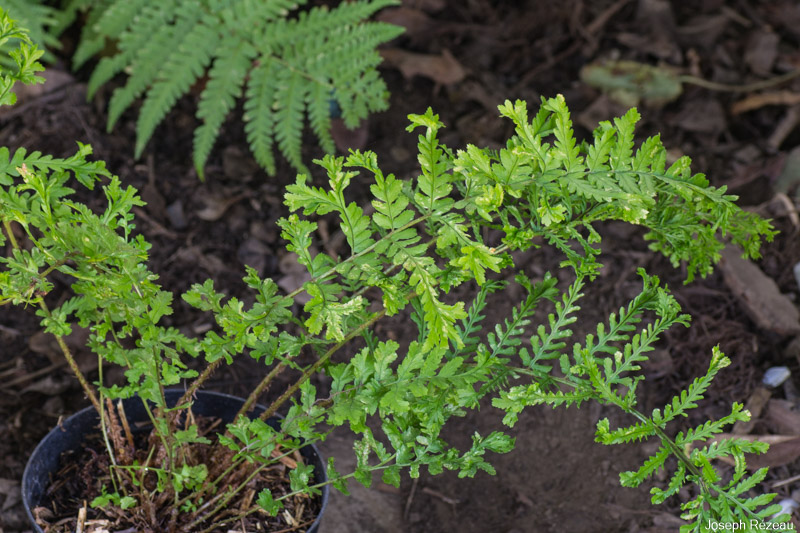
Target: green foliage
(285,65)
(22,61)
(41,24)
(455,223)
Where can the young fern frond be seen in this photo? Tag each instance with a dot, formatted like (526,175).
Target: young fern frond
(292,68)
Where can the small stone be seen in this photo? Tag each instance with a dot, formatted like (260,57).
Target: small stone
(176,215)
(787,506)
(253,253)
(796,271)
(776,375)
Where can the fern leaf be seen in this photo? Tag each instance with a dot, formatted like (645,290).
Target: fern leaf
(147,22)
(567,153)
(38,20)
(294,66)
(289,105)
(319,114)
(650,467)
(148,63)
(433,185)
(622,152)
(259,116)
(113,19)
(219,97)
(182,68)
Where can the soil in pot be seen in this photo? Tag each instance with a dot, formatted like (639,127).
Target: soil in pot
(69,467)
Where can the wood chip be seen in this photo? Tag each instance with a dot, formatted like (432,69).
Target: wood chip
(758,294)
(783,417)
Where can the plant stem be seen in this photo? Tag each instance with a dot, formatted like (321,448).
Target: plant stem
(224,498)
(199,380)
(261,388)
(311,370)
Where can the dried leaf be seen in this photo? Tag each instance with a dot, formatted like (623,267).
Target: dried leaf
(415,21)
(254,253)
(628,82)
(51,385)
(295,276)
(217,205)
(443,69)
(755,404)
(701,115)
(761,51)
(782,415)
(347,139)
(238,165)
(11,490)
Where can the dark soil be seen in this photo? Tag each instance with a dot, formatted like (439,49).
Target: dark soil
(557,478)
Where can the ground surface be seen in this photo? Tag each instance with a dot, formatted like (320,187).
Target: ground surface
(557,479)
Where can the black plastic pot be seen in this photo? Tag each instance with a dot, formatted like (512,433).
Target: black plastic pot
(70,435)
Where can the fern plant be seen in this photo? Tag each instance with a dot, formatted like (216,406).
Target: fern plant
(426,236)
(285,68)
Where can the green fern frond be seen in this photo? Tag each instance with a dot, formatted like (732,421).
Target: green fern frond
(294,67)
(650,467)
(181,69)
(259,116)
(290,102)
(114,18)
(224,87)
(147,63)
(148,21)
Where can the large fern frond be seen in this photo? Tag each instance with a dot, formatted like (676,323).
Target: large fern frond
(224,86)
(292,68)
(182,68)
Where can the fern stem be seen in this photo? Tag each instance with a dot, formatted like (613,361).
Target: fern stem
(353,257)
(261,388)
(198,381)
(311,370)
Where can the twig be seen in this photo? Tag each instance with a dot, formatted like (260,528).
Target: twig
(32,375)
(311,370)
(744,88)
(158,228)
(786,481)
(437,494)
(410,498)
(787,124)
